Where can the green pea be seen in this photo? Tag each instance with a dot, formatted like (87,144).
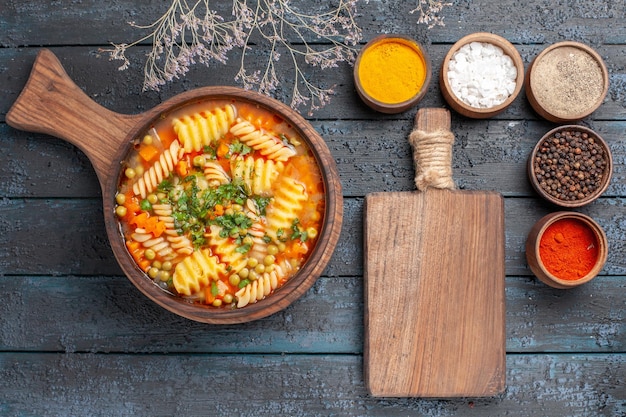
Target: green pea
(248,240)
(272,249)
(234,280)
(153,199)
(120,198)
(311,232)
(147,140)
(167,266)
(269,260)
(228,298)
(157,264)
(253,276)
(282,246)
(199,161)
(252,262)
(165,276)
(259,269)
(217,302)
(244,273)
(153,272)
(121,211)
(130,173)
(150,254)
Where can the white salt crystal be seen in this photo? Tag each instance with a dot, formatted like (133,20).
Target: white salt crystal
(481,74)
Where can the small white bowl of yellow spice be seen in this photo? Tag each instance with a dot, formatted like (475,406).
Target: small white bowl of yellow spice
(481,75)
(392,73)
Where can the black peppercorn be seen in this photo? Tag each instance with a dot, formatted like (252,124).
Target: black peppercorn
(570,165)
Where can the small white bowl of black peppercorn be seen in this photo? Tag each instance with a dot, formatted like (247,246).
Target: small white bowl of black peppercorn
(570,166)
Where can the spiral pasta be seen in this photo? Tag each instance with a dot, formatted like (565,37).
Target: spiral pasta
(180,243)
(262,287)
(158,244)
(196,272)
(215,174)
(285,207)
(258,139)
(258,174)
(258,250)
(226,249)
(204,128)
(160,170)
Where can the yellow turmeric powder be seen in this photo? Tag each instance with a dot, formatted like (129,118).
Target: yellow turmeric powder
(392,70)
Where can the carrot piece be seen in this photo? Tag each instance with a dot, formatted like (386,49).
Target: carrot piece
(181,168)
(132,205)
(149,224)
(222,150)
(159,228)
(132,245)
(137,252)
(140,220)
(144,264)
(208,295)
(148,152)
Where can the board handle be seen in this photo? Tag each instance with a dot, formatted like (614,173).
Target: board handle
(53,104)
(432,142)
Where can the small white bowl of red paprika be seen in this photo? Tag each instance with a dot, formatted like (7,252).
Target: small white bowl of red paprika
(565,249)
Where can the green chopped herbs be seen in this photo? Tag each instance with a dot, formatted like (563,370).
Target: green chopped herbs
(298,233)
(145,205)
(193,209)
(239,148)
(262,203)
(233,224)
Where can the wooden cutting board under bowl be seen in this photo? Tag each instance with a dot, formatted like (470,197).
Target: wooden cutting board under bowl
(434,289)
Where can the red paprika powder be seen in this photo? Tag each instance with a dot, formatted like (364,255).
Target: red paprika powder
(568,249)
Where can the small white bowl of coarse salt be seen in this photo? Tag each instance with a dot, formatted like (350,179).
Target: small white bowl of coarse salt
(481,75)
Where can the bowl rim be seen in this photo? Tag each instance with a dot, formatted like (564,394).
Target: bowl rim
(576,203)
(477,112)
(539,108)
(536,263)
(298,284)
(392,108)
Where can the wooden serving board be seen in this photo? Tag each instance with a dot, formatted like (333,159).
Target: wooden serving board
(434,290)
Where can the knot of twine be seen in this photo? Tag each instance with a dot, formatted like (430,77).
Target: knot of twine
(432,158)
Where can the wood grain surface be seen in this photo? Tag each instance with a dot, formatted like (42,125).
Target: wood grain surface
(77,338)
(434,288)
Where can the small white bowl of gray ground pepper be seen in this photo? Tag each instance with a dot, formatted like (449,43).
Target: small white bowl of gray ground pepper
(570,166)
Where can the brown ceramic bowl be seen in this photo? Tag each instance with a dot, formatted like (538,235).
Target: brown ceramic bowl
(369,97)
(542,185)
(533,255)
(566,82)
(464,108)
(52,104)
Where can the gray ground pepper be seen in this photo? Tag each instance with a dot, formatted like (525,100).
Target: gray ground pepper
(567,82)
(570,165)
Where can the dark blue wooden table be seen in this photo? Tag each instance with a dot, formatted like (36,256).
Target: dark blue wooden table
(77,338)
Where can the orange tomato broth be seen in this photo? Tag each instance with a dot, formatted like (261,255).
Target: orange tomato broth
(302,167)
